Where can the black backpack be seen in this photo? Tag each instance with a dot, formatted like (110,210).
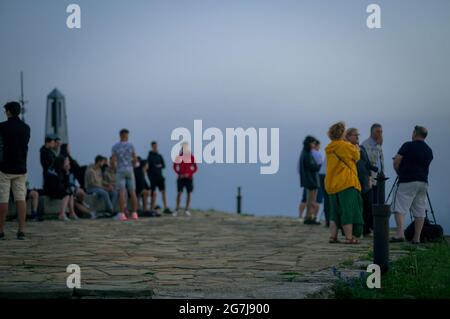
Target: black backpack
(431,231)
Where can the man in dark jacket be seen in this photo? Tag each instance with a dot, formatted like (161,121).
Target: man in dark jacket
(47,155)
(365,169)
(155,174)
(14,138)
(309,178)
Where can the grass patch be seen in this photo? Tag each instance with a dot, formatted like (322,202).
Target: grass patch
(290,275)
(149,273)
(348,263)
(424,273)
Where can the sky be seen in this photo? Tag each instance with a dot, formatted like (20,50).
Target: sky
(153,66)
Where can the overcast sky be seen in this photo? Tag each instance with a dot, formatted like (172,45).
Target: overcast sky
(153,66)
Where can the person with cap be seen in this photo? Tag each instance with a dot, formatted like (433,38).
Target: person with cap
(14,139)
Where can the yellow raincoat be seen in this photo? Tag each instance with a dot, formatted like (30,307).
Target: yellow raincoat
(341,172)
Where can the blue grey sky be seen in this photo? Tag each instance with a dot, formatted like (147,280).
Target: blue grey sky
(153,66)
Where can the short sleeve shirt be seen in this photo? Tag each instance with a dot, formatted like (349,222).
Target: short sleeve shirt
(414,167)
(124,154)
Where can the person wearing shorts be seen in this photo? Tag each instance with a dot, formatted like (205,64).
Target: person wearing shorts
(124,154)
(14,139)
(412,164)
(185,167)
(156,165)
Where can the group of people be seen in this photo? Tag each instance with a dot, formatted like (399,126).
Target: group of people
(122,177)
(345,180)
(115,180)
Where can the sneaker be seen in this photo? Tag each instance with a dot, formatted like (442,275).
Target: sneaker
(63,218)
(156,213)
(187,213)
(20,235)
(2,236)
(167,211)
(175,213)
(73,216)
(121,217)
(93,215)
(134,216)
(34,217)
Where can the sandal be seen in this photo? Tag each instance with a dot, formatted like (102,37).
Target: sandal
(333,240)
(352,241)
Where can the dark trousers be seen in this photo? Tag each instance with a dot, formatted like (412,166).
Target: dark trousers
(367,211)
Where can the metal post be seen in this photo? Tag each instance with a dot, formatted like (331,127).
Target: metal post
(381,214)
(22,100)
(239,200)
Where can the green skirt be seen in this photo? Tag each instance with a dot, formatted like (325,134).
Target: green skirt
(346,208)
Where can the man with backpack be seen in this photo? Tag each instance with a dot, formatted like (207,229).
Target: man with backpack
(412,164)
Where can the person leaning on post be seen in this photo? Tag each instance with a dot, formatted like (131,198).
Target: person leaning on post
(343,186)
(14,139)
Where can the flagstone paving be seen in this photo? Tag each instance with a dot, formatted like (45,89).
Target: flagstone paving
(207,255)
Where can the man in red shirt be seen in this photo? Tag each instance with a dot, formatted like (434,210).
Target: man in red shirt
(185,167)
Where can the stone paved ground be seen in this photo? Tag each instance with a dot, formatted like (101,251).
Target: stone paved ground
(208,255)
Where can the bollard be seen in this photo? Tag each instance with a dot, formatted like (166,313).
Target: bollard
(381,214)
(381,188)
(239,200)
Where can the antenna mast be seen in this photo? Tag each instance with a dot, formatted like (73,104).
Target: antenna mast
(22,100)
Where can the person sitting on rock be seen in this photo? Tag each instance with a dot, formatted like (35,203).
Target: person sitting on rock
(95,183)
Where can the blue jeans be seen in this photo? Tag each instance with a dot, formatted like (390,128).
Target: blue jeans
(109,198)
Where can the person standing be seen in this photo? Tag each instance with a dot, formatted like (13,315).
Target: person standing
(185,167)
(343,186)
(124,154)
(14,139)
(322,196)
(373,146)
(143,186)
(365,169)
(156,165)
(412,164)
(309,179)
